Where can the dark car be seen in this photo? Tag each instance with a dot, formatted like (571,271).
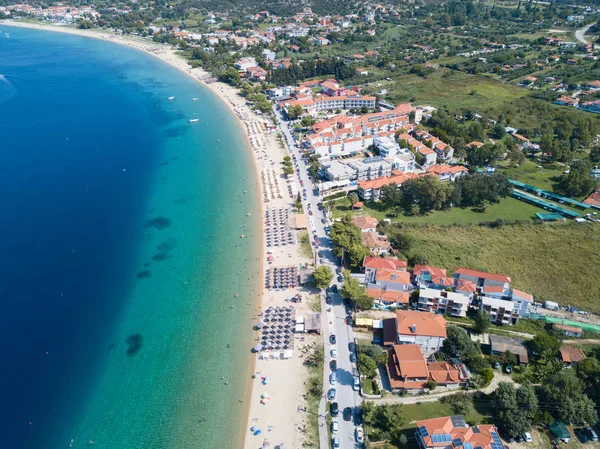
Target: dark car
(333,409)
(332,339)
(579,433)
(357,416)
(333,365)
(323,220)
(340,278)
(334,288)
(347,414)
(351,346)
(352,357)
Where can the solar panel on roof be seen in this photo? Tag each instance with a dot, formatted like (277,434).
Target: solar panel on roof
(468,446)
(423,431)
(478,447)
(457,442)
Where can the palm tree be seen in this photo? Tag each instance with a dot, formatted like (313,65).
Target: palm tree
(353,197)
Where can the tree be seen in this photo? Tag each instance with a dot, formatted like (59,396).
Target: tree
(353,291)
(353,198)
(367,366)
(482,321)
(347,242)
(566,389)
(295,111)
(316,357)
(431,385)
(513,407)
(545,345)
(231,76)
(323,276)
(475,188)
(428,192)
(578,182)
(516,157)
(595,154)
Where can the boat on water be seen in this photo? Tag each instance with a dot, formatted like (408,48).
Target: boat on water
(193,120)
(171,98)
(194,99)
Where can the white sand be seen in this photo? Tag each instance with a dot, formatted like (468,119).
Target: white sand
(283,413)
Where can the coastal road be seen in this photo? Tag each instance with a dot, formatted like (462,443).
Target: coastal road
(335,312)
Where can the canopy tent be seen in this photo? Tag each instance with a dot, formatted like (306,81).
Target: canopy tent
(560,430)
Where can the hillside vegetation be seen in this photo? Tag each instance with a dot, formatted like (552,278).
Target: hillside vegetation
(553,262)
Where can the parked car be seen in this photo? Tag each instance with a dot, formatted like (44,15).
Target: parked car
(355,383)
(581,435)
(360,436)
(333,378)
(496,365)
(351,346)
(333,365)
(334,288)
(357,416)
(331,394)
(333,409)
(508,369)
(347,414)
(527,437)
(352,357)
(335,427)
(335,442)
(340,278)
(332,339)
(592,433)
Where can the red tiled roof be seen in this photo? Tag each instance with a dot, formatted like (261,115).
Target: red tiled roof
(572,329)
(433,271)
(571,355)
(522,294)
(482,274)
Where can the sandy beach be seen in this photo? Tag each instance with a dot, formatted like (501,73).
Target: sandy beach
(279,420)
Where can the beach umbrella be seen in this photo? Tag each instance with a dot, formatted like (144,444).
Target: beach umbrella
(253,429)
(257,348)
(266,380)
(260,325)
(264,395)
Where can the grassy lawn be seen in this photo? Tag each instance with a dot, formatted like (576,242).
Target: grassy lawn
(553,262)
(452,89)
(311,435)
(305,247)
(436,409)
(546,177)
(508,209)
(367,386)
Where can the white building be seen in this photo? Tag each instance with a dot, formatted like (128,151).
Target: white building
(501,311)
(444,302)
(371,168)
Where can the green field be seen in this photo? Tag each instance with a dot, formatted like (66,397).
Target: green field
(509,209)
(558,262)
(455,90)
(544,177)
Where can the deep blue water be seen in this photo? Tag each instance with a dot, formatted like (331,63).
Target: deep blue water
(87,139)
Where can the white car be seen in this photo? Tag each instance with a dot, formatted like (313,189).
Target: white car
(527,437)
(356,383)
(335,427)
(360,436)
(333,353)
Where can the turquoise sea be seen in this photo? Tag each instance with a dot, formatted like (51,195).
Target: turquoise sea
(120,251)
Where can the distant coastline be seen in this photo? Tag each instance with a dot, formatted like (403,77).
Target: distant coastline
(227,94)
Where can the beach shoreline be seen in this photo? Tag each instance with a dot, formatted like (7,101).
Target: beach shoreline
(243,114)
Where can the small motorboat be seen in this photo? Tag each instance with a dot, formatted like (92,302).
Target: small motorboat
(171,98)
(194,99)
(193,120)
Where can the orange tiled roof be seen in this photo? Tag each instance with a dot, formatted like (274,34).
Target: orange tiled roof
(433,271)
(373,240)
(427,324)
(388,262)
(396,276)
(365,222)
(389,295)
(480,435)
(409,361)
(572,329)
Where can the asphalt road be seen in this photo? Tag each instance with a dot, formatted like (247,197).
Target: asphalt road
(335,313)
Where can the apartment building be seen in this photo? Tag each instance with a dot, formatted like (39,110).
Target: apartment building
(371,168)
(452,432)
(427,330)
(443,302)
